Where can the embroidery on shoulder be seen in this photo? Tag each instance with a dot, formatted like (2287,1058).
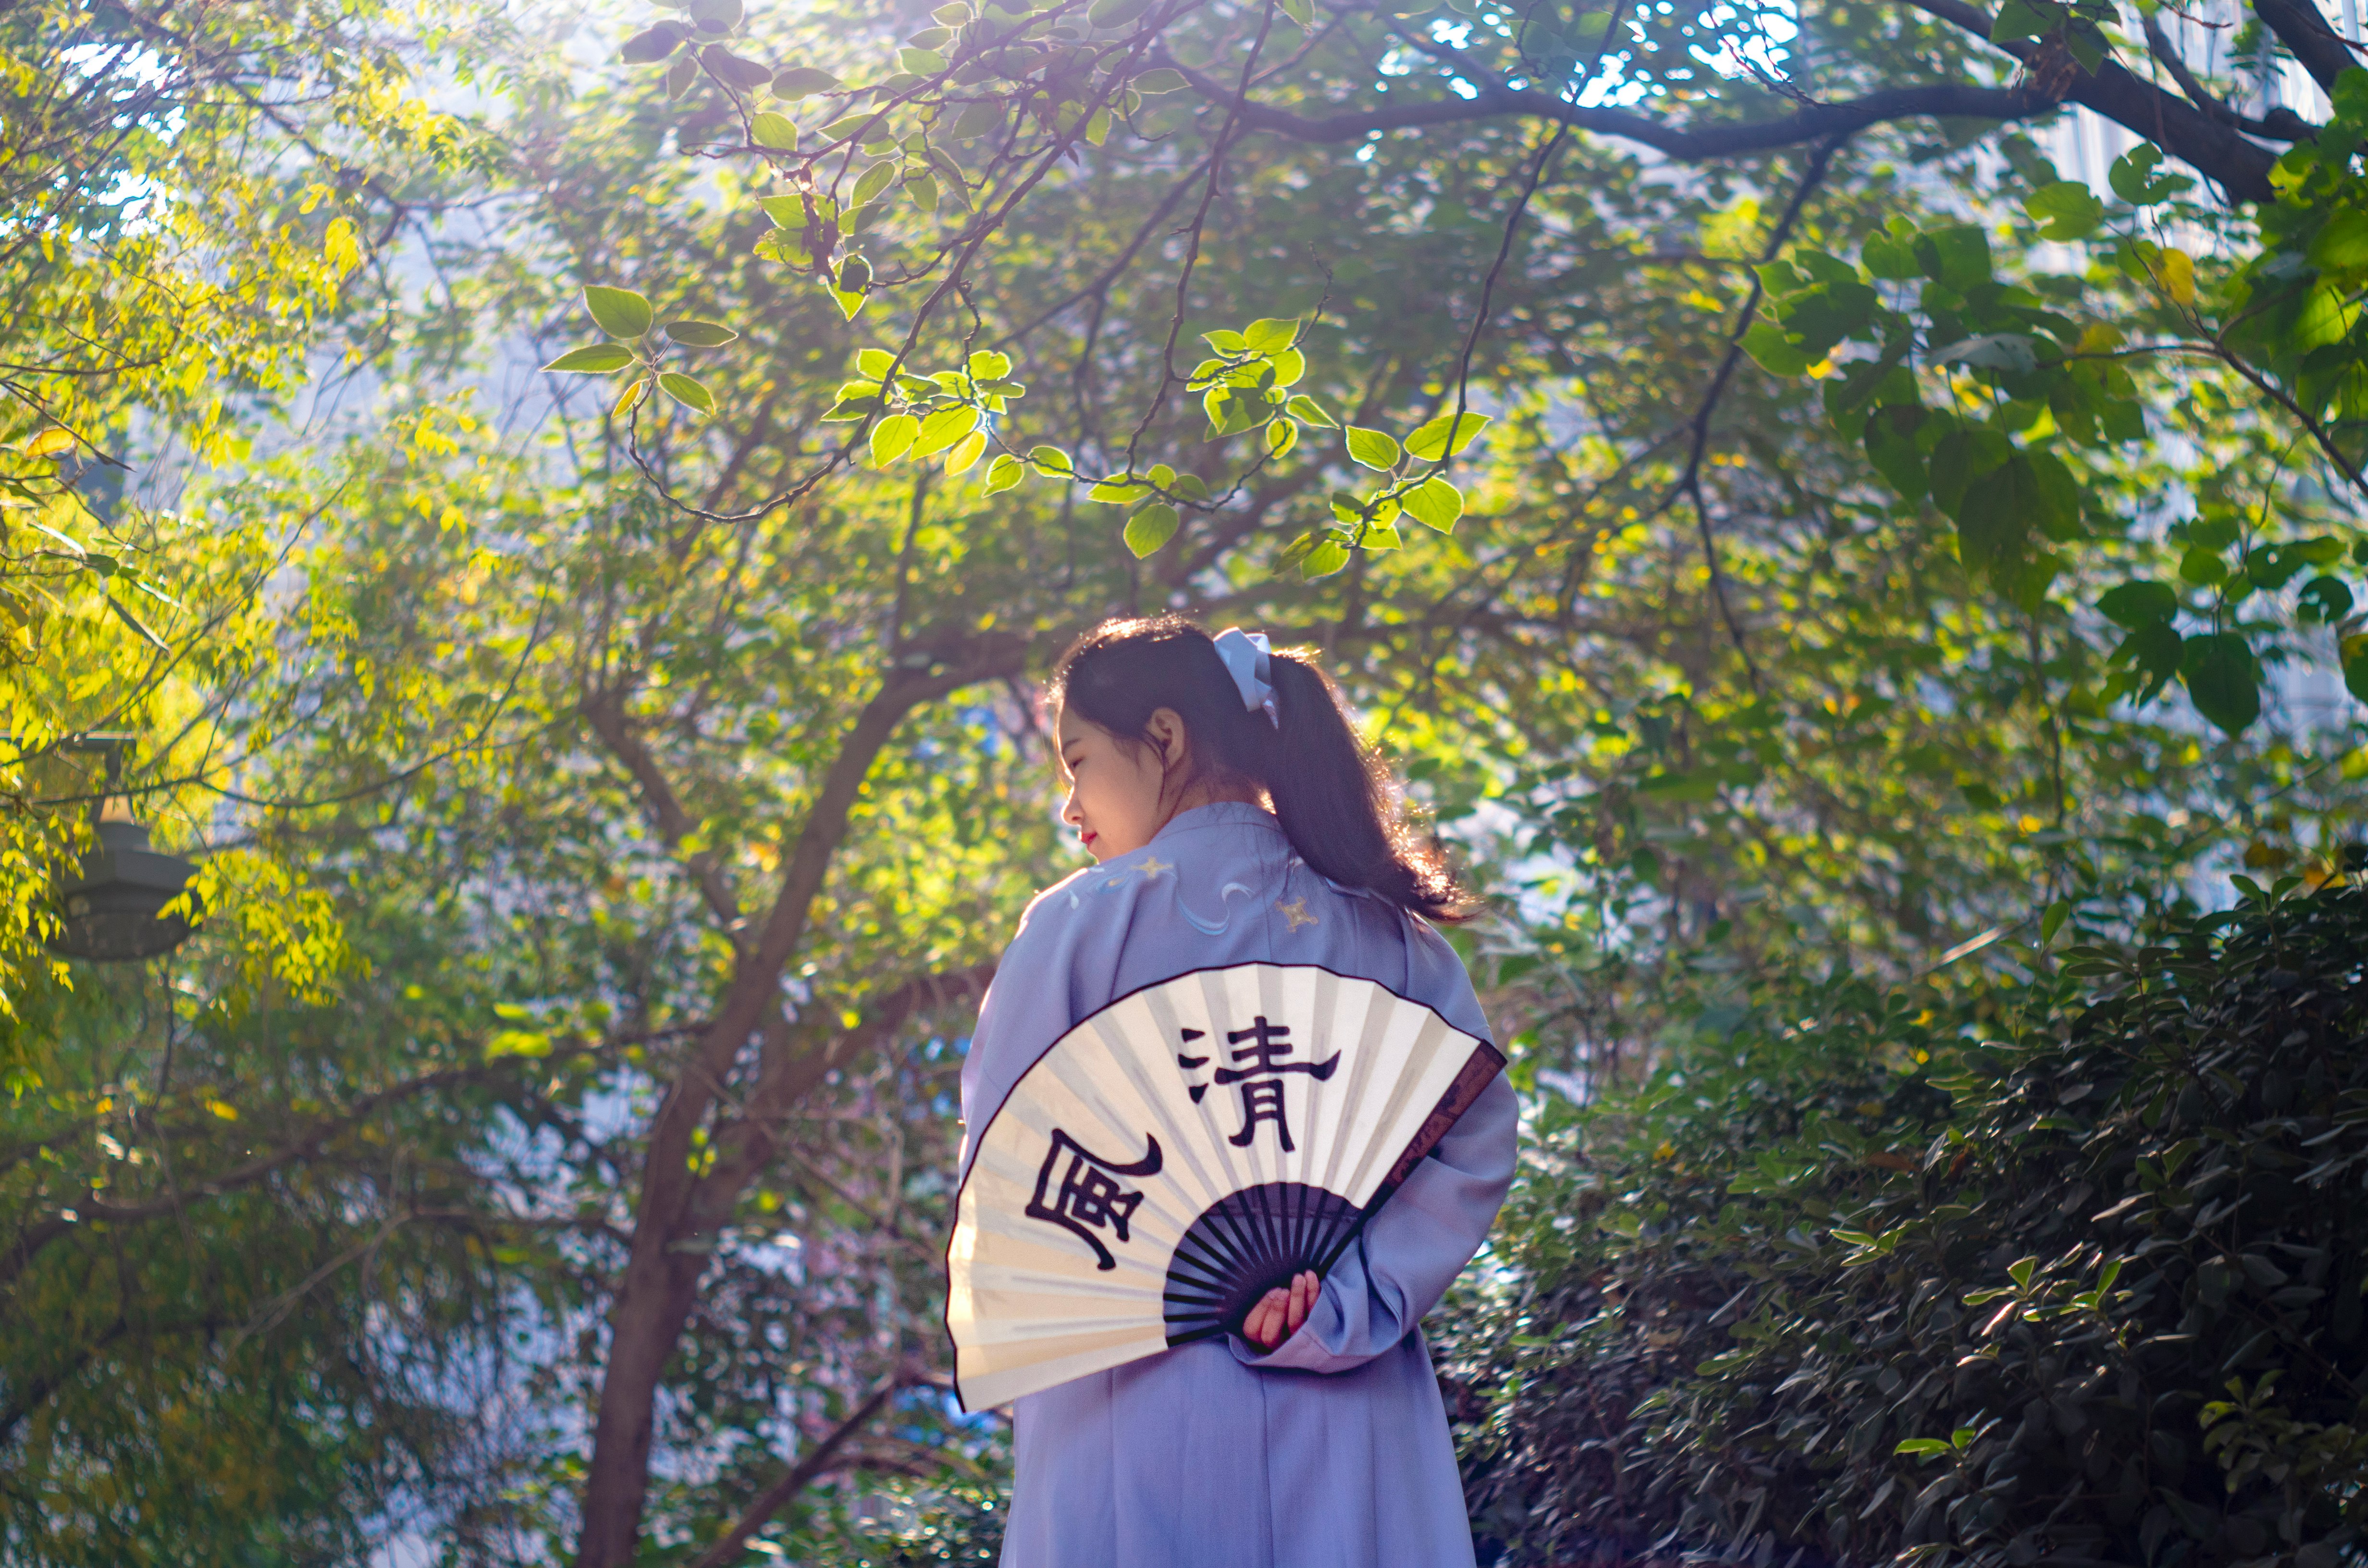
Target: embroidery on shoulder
(1296,913)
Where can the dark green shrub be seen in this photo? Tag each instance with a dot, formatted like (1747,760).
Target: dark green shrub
(2088,1294)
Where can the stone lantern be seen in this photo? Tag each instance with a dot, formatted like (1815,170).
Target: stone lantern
(111,902)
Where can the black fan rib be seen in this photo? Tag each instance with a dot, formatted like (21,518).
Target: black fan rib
(1244,1245)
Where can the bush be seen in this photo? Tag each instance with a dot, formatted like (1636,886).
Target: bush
(1861,1290)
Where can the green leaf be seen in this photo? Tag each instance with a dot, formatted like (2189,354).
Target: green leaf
(923,189)
(893,438)
(986,365)
(2222,680)
(775,130)
(1151,527)
(873,181)
(972,448)
(123,613)
(1303,12)
(1372,448)
(1891,446)
(1271,335)
(1774,350)
(1282,434)
(593,360)
(1119,492)
(735,71)
(802,81)
(620,312)
(2133,180)
(874,363)
(693,333)
(1926,1446)
(2342,242)
(2323,601)
(1004,473)
(518,1043)
(840,130)
(977,119)
(1430,439)
(654,43)
(2154,650)
(1435,504)
(1962,456)
(943,428)
(1888,256)
(2203,567)
(2025,19)
(1957,256)
(1116,14)
(2355,666)
(2067,210)
(1307,411)
(2051,921)
(1331,554)
(1163,80)
(921,61)
(1053,460)
(688,392)
(2136,603)
(1994,521)
(680,75)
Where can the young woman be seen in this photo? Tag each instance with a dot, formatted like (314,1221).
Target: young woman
(1236,819)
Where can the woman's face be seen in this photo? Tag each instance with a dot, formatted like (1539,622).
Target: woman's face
(1116,792)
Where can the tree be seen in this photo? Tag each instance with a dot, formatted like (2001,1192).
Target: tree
(671,769)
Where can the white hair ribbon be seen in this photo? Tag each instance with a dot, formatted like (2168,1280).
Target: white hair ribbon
(1246,661)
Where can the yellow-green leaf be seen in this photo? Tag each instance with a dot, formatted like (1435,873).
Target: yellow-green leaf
(1435,504)
(1151,527)
(943,428)
(620,312)
(968,451)
(688,392)
(893,438)
(1430,441)
(593,360)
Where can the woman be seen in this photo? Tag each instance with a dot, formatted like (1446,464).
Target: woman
(1236,819)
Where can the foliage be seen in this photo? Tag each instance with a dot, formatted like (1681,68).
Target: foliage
(182,219)
(2102,1302)
(614,795)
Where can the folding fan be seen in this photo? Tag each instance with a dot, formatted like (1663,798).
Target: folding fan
(1171,1159)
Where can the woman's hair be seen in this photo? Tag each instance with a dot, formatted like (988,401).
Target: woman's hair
(1337,801)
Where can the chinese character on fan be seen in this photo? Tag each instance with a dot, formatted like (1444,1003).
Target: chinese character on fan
(1261,1081)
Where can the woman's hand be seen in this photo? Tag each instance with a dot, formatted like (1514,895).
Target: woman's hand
(1280,1312)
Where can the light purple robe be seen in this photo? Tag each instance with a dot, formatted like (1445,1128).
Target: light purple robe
(1333,1451)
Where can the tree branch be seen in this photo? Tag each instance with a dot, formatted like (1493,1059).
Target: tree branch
(2280,124)
(1689,144)
(2301,27)
(800,1476)
(659,1286)
(36,1236)
(1689,483)
(2218,151)
(605,711)
(786,1074)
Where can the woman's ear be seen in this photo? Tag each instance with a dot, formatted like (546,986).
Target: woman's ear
(1166,730)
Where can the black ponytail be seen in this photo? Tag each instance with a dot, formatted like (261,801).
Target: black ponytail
(1338,802)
